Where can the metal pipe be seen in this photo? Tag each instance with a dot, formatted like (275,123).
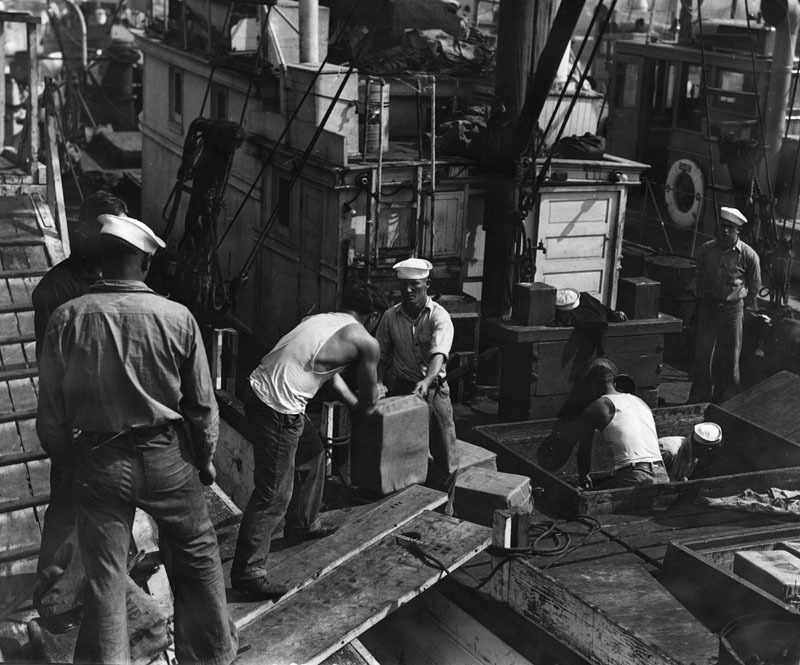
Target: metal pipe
(379,172)
(433,163)
(785,16)
(309,30)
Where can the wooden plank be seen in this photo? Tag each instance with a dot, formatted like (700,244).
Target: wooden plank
(12,357)
(313,623)
(5,296)
(13,258)
(581,625)
(23,395)
(25,322)
(9,415)
(19,458)
(10,443)
(528,638)
(20,297)
(20,530)
(714,594)
(13,483)
(624,589)
(354,653)
(9,326)
(36,254)
(359,529)
(27,433)
(6,405)
(19,504)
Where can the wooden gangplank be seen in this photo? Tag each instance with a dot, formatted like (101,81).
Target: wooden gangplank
(359,528)
(325,615)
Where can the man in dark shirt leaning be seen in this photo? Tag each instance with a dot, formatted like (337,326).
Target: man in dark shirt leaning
(127,368)
(74,275)
(728,280)
(60,603)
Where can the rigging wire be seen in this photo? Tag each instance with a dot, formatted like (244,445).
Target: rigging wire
(570,77)
(759,112)
(707,105)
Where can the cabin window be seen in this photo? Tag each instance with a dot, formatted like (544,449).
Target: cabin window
(176,97)
(735,82)
(627,85)
(219,102)
(663,94)
(689,105)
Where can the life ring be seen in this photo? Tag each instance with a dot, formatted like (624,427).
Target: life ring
(684,191)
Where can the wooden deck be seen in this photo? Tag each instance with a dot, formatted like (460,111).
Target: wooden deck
(29,246)
(606,602)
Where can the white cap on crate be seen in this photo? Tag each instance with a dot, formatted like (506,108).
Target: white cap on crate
(732,215)
(413,269)
(707,434)
(131,231)
(567,299)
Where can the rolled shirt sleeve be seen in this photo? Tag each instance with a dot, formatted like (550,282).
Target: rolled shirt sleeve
(442,332)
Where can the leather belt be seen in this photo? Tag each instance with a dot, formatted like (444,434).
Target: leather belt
(134,434)
(642,466)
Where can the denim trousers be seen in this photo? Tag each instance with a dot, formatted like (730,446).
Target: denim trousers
(157,476)
(60,547)
(636,478)
(717,349)
(282,489)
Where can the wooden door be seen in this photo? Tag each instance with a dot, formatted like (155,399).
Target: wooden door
(578,228)
(625,117)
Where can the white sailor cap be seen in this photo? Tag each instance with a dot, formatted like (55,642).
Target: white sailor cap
(567,299)
(707,434)
(732,215)
(131,231)
(413,269)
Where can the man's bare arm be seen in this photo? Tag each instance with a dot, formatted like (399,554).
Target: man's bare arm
(369,356)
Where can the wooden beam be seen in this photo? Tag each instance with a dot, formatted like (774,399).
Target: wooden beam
(582,626)
(297,567)
(315,622)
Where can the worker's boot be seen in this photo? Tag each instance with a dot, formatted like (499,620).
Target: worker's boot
(260,587)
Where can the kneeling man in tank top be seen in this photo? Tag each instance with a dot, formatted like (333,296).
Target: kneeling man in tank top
(627,426)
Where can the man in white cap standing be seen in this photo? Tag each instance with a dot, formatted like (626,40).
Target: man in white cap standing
(728,280)
(415,338)
(127,368)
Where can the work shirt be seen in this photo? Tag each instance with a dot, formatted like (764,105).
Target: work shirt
(68,280)
(121,357)
(728,274)
(407,345)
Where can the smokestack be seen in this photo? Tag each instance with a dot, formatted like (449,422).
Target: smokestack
(309,31)
(785,16)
